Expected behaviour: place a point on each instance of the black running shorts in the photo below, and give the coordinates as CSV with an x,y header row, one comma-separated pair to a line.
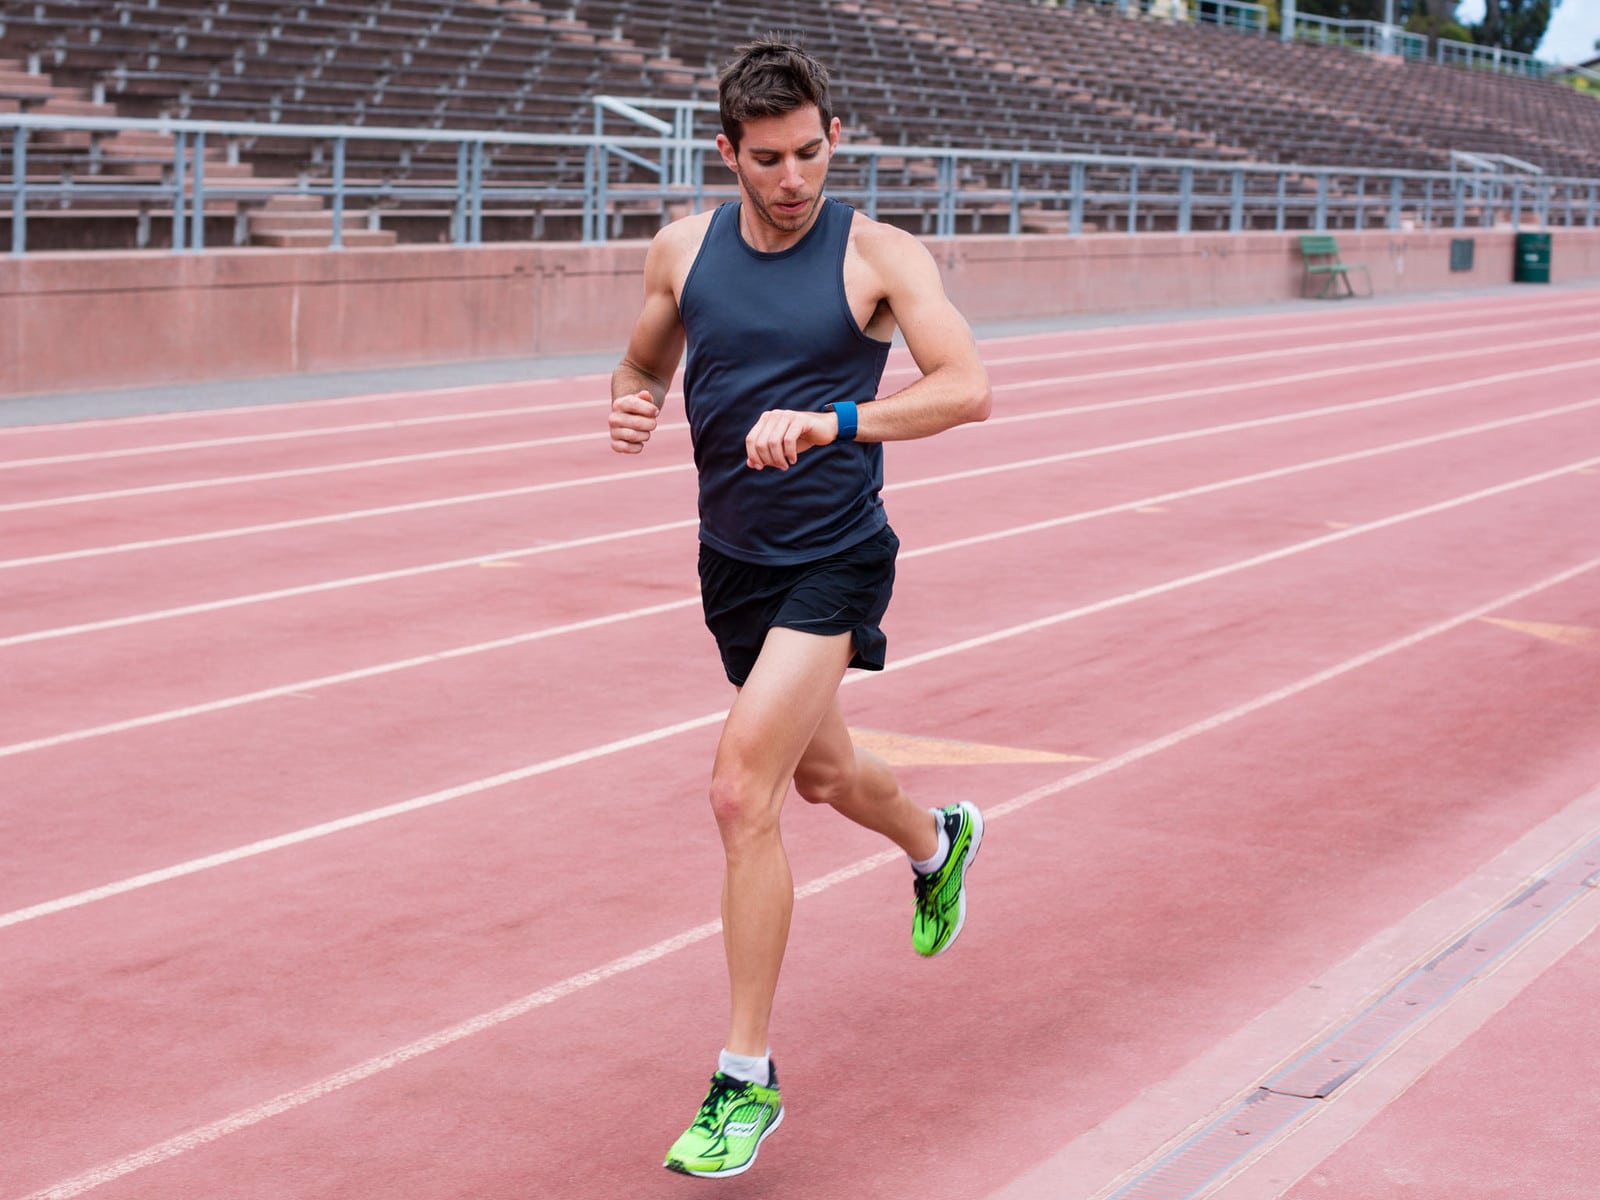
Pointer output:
x,y
847,592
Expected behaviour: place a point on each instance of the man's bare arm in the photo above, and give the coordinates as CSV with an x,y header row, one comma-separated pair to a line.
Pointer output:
x,y
954,387
639,383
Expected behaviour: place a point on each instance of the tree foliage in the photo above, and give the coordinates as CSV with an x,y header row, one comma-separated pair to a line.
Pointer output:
x,y
1514,24
1510,24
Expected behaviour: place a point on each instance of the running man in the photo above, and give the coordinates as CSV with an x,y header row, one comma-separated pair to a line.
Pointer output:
x,y
787,302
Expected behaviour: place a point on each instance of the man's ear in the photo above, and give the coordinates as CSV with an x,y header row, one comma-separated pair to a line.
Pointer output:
x,y
730,156
834,129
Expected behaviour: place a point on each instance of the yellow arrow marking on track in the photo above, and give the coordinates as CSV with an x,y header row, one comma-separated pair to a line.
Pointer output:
x,y
903,750
1566,635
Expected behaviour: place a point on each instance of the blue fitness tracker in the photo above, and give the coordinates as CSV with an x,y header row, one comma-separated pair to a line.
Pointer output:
x,y
846,412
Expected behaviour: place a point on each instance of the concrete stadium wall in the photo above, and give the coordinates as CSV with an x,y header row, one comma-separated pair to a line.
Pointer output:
x,y
91,321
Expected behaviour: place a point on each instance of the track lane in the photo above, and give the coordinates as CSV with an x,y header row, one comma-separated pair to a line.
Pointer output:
x,y
1111,831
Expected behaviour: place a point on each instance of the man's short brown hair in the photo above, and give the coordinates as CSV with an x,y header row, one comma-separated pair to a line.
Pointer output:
x,y
770,77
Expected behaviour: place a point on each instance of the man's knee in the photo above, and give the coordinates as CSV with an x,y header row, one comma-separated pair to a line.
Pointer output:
x,y
742,804
826,782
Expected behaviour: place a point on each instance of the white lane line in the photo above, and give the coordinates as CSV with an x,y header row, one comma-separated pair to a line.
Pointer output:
x,y
1265,326
326,681
1206,725
544,767
1301,351
594,404
95,424
286,435
287,1101
1587,337
362,514
598,437
303,686
634,472
310,589
1289,323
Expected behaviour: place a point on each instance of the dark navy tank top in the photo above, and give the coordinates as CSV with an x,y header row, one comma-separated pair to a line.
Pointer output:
x,y
772,331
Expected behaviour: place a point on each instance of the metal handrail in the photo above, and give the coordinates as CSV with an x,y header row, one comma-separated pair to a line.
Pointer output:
x,y
953,181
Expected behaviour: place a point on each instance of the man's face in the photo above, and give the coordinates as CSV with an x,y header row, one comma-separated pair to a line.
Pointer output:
x,y
781,164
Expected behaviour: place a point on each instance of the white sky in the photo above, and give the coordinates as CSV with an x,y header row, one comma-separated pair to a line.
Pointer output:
x,y
1570,37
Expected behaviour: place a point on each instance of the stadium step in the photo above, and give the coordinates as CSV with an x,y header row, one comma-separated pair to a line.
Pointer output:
x,y
301,222
312,239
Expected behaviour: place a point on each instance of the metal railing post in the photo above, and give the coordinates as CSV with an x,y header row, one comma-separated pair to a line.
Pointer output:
x,y
1185,199
602,215
475,199
179,171
1133,198
1283,198
685,149
337,241
19,194
458,214
1396,199
1361,201
590,155
1014,226
1516,203
1322,203
1236,212
197,208
946,223
1461,202
1080,182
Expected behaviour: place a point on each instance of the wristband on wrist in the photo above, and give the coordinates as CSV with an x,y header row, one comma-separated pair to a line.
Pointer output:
x,y
846,412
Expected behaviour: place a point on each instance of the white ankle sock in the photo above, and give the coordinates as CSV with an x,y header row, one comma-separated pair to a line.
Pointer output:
x,y
746,1067
929,865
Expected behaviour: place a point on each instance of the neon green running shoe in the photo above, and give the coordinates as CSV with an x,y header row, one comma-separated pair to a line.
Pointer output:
x,y
729,1128
942,895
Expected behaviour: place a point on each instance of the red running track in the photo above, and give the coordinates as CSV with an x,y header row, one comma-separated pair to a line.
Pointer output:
x,y
354,751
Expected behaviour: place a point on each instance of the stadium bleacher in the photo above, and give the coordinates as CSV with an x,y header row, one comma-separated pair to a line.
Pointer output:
x,y
996,74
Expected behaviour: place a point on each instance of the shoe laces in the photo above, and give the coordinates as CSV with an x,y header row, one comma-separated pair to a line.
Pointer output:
x,y
924,888
723,1091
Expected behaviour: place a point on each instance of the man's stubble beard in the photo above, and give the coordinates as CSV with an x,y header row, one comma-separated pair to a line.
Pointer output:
x,y
766,215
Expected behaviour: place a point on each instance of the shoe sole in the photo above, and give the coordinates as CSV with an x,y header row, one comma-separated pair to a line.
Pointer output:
x,y
966,862
729,1172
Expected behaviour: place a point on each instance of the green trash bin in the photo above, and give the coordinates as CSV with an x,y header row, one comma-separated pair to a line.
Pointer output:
x,y
1533,258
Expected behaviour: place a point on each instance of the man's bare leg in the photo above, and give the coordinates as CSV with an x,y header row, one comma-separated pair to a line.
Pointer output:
x,y
775,717
860,785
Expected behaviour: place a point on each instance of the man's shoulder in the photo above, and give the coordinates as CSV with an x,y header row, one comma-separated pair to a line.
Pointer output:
x,y
878,241
684,235
890,253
